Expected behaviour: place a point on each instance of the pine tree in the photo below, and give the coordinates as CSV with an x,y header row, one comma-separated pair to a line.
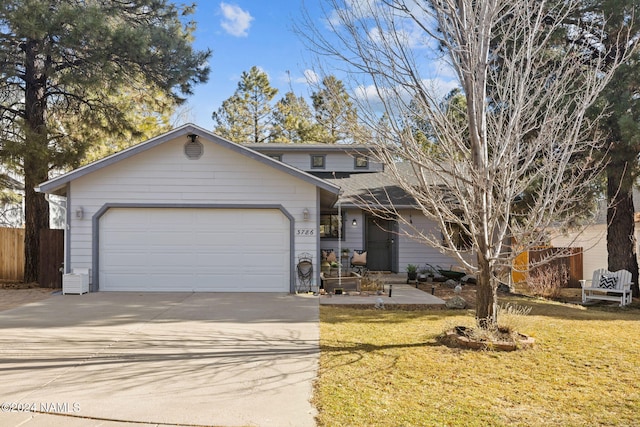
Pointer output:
x,y
336,114
69,58
244,117
292,121
622,170
621,123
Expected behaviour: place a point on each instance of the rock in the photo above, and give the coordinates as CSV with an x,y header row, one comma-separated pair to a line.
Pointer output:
x,y
468,279
451,283
456,302
504,288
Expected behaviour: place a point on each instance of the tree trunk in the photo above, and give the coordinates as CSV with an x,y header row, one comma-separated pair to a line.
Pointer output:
x,y
36,163
36,219
486,303
621,240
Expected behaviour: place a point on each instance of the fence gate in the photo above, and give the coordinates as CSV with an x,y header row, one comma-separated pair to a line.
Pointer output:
x,y
51,258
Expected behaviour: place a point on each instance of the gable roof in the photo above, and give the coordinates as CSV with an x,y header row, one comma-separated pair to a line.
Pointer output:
x,y
375,190
58,185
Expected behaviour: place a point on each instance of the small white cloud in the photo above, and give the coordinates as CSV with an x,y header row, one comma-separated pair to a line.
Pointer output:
x,y
310,77
235,21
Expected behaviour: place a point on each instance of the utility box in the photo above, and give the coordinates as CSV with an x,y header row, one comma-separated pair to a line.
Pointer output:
x,y
76,282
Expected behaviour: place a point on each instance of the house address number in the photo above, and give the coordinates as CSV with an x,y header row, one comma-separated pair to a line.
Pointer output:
x,y
305,232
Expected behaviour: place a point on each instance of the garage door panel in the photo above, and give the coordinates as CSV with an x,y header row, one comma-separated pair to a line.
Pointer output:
x,y
187,249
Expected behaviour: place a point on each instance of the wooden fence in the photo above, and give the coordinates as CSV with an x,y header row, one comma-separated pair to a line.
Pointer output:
x,y
12,254
51,256
570,258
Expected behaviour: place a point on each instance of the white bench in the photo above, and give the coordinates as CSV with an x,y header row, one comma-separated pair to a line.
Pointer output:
x,y
608,286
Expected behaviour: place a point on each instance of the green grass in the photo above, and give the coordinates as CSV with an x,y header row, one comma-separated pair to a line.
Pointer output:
x,y
387,368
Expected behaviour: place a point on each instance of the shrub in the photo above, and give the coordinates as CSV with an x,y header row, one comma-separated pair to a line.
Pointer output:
x,y
547,281
372,283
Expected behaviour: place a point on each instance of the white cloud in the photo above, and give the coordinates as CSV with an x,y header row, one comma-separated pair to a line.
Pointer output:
x,y
310,78
235,21
353,10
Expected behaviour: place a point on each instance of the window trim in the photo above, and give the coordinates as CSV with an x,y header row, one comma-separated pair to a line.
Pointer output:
x,y
312,157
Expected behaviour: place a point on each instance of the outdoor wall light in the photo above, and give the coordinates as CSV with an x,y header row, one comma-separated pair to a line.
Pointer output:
x,y
354,223
305,214
79,212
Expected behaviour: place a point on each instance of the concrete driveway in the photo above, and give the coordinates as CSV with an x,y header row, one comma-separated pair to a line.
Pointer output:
x,y
114,359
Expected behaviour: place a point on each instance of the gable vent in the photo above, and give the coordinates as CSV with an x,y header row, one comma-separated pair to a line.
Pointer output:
x,y
193,149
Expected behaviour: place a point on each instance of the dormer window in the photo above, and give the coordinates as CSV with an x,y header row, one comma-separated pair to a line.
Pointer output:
x,y
318,161
361,162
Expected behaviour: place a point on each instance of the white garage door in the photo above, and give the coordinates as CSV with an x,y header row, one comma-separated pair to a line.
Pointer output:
x,y
185,249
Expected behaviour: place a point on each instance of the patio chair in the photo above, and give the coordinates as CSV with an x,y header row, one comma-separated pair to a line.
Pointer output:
x,y
359,262
305,272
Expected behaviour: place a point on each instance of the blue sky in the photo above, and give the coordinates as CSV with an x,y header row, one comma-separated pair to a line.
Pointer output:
x,y
242,34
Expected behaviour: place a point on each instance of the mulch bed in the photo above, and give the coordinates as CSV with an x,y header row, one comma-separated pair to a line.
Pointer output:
x,y
567,295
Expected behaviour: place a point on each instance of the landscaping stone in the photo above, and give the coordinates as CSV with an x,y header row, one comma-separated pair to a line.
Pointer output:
x,y
468,279
456,302
450,283
504,288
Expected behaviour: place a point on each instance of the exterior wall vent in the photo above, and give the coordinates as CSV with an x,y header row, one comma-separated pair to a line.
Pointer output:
x,y
193,149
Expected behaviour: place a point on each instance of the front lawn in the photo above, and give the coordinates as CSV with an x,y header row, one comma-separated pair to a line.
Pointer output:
x,y
386,368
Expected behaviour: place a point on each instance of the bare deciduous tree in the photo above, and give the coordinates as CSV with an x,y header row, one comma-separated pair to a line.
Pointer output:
x,y
520,160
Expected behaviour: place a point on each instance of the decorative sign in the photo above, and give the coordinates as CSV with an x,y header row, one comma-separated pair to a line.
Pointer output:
x,y
305,232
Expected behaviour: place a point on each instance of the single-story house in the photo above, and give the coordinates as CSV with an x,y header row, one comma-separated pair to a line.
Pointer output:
x,y
190,211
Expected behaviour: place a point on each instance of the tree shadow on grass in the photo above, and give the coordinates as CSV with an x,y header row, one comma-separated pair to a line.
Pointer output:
x,y
572,311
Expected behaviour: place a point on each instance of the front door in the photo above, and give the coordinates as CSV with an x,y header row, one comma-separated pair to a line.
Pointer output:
x,y
380,243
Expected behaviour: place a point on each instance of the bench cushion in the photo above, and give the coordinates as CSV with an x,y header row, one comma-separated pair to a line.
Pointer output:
x,y
607,282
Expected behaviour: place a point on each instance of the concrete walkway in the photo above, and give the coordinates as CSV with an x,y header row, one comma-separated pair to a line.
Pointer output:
x,y
404,295
125,359
401,295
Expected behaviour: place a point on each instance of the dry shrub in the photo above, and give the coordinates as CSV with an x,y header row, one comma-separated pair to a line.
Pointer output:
x,y
371,283
512,317
511,321
547,281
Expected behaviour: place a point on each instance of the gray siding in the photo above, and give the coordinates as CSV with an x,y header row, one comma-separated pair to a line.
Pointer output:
x,y
334,162
414,252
